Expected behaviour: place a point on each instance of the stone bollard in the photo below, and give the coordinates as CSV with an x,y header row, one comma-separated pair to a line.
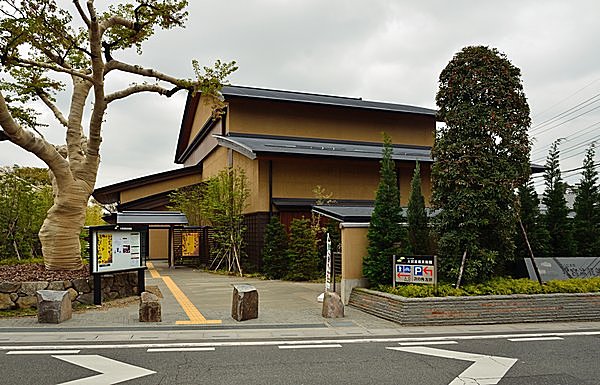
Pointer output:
x,y
245,302
149,308
54,306
333,307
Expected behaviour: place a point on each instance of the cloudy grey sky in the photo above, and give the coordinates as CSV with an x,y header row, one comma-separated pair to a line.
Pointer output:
x,y
382,50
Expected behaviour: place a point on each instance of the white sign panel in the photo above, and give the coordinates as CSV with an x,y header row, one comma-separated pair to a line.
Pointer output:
x,y
115,250
328,265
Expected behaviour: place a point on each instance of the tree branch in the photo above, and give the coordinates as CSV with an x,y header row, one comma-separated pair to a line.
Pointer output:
x,y
56,68
84,17
147,72
57,113
36,145
81,90
138,88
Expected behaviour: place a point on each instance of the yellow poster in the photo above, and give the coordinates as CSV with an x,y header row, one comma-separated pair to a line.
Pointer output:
x,y
190,244
104,248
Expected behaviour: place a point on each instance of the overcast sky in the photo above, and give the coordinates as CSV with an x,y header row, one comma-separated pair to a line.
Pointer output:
x,y
380,50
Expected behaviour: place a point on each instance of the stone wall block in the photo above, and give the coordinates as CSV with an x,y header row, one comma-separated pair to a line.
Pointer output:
x,y
26,302
72,294
6,302
9,287
244,305
57,285
82,285
54,306
30,288
86,299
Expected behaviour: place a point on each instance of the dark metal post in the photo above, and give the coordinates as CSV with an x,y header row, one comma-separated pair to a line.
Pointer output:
x,y
141,281
97,289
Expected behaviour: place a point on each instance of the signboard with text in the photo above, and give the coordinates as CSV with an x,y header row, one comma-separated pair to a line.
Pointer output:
x,y
418,269
116,250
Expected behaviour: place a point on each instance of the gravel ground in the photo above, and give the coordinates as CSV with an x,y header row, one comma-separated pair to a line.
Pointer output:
x,y
37,272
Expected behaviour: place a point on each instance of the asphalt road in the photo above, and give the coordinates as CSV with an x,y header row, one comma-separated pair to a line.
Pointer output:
x,y
550,359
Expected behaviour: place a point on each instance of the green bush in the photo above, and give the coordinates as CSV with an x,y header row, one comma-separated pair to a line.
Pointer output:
x,y
302,255
275,250
496,286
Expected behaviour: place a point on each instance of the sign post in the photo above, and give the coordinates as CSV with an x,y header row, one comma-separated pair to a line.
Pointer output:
x,y
114,249
417,269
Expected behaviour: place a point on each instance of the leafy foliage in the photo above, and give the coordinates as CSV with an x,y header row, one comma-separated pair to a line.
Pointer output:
x,y
386,235
587,211
25,196
559,228
187,200
498,286
482,155
275,250
303,258
418,226
529,212
223,205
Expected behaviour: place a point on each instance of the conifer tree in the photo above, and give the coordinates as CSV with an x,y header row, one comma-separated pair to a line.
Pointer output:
x,y
587,212
275,250
556,217
385,230
302,253
529,213
418,228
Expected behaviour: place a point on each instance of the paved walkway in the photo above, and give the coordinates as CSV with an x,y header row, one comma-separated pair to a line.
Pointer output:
x,y
197,304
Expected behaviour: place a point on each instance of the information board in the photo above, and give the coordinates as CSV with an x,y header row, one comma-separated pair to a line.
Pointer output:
x,y
116,250
421,269
190,244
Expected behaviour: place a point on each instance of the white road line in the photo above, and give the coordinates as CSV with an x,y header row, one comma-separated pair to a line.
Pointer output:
x,y
310,346
160,350
23,352
424,343
536,339
302,342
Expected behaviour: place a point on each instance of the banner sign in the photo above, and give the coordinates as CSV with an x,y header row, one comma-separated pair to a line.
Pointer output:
x,y
190,244
328,265
116,250
419,269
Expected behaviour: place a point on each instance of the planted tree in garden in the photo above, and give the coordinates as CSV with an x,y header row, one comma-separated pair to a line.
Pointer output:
x,y
386,235
223,203
481,156
529,213
302,256
41,45
418,226
25,197
187,200
275,250
586,223
556,216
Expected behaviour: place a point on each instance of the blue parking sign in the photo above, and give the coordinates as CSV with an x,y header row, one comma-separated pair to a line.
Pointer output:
x,y
418,270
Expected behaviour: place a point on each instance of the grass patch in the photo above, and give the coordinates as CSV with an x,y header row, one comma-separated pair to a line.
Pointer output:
x,y
22,261
497,286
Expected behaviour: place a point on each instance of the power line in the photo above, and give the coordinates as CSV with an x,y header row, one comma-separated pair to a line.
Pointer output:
x,y
570,111
566,98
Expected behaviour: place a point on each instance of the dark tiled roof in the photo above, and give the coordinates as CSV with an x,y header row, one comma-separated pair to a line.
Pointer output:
x,y
251,146
305,97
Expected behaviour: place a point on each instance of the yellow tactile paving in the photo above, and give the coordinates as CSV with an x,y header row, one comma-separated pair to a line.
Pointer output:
x,y
188,307
153,271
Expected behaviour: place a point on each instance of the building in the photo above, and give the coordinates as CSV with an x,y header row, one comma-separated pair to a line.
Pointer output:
x,y
288,143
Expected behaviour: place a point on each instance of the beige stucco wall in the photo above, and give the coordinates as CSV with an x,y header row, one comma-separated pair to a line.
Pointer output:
x,y
159,187
258,182
354,248
205,147
327,122
203,113
214,162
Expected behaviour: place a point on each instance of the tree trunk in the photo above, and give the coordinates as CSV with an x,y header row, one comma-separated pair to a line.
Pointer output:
x,y
59,234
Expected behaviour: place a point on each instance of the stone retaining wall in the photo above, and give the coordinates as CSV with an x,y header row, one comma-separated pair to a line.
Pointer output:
x,y
19,295
478,310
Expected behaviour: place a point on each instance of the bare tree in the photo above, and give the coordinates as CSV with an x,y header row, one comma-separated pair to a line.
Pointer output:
x,y
40,44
